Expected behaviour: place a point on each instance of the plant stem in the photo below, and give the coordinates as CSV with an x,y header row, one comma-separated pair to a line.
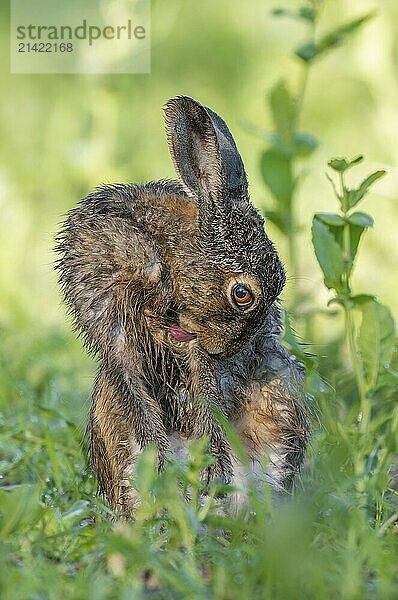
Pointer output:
x,y
365,408
357,366
293,246
302,89
294,227
293,255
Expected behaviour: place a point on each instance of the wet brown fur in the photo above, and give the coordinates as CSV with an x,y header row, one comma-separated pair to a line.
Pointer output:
x,y
133,260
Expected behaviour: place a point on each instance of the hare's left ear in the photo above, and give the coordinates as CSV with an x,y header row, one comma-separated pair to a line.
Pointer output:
x,y
204,152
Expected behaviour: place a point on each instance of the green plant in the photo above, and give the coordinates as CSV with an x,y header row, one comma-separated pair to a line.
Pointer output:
x,y
289,146
369,325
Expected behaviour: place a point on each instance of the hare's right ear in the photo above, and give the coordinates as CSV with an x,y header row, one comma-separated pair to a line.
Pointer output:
x,y
204,152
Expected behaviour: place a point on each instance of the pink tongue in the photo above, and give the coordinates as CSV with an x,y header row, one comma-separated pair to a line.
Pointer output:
x,y
180,334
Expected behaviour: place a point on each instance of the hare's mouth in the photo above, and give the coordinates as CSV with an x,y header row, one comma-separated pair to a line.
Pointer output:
x,y
180,334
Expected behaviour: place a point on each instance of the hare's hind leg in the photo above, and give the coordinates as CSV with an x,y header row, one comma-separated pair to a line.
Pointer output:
x,y
273,426
113,447
275,422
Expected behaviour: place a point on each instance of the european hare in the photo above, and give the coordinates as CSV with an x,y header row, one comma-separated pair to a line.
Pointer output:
x,y
174,287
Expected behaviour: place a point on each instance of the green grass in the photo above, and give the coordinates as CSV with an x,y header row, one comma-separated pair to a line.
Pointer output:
x,y
333,539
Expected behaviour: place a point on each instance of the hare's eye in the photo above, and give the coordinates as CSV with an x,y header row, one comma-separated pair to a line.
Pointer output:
x,y
242,296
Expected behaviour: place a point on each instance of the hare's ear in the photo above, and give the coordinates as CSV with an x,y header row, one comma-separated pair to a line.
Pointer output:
x,y
204,152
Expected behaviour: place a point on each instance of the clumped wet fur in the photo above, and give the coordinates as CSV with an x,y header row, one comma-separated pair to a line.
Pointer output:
x,y
149,273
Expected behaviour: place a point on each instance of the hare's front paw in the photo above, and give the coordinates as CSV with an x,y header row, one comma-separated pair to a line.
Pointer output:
x,y
127,502
221,469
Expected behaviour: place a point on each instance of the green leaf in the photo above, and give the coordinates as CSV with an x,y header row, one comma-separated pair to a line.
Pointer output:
x,y
307,52
304,144
388,378
339,164
335,224
360,218
337,36
308,13
354,196
76,512
276,171
280,12
331,219
279,218
312,50
355,161
360,299
272,138
283,110
356,232
19,508
376,339
328,253
342,164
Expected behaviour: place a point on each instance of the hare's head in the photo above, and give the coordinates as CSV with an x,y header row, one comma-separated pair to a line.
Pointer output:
x,y
229,275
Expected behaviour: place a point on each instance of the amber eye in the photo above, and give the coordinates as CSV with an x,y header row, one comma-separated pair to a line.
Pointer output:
x,y
242,296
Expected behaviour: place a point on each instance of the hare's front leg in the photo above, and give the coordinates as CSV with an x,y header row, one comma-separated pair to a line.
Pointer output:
x,y
202,421
121,424
113,447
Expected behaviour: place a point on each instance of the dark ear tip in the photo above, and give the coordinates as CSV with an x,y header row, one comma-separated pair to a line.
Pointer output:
x,y
183,106
181,102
